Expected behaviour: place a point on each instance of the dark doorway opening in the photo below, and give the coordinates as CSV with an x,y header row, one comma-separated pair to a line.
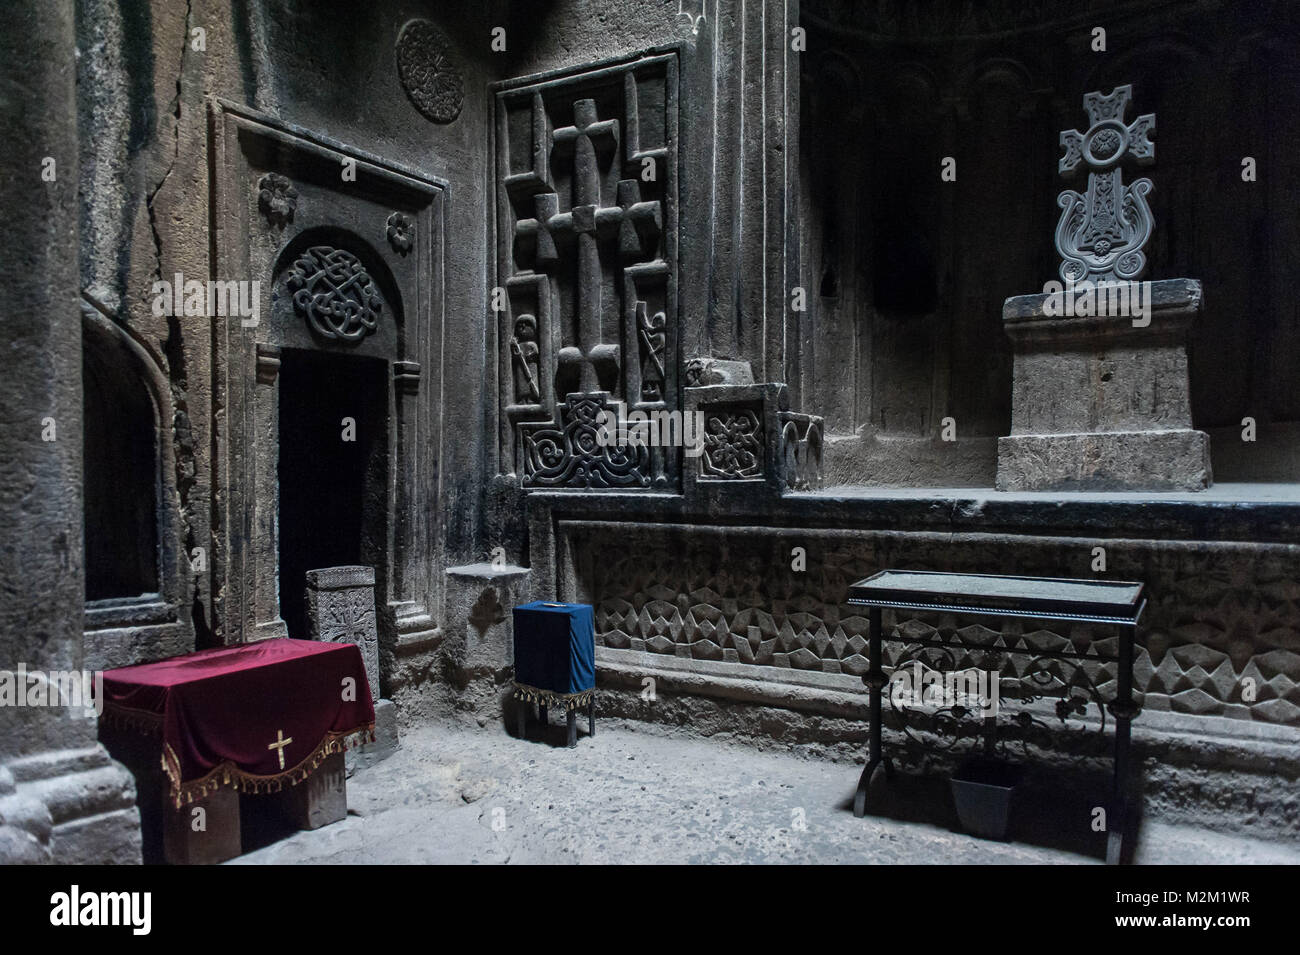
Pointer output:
x,y
333,469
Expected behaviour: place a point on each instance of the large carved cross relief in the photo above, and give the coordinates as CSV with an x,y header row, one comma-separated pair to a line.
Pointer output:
x,y
586,166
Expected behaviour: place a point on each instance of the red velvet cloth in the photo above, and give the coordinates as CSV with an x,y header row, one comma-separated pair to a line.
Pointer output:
x,y
219,711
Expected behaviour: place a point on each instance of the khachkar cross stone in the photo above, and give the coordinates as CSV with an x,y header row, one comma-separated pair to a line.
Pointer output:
x,y
1102,232
341,609
1099,391
636,224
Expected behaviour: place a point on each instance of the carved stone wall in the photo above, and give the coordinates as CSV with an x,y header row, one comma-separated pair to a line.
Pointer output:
x,y
586,176
1219,615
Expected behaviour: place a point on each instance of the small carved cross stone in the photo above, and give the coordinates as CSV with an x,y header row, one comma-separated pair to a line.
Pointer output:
x,y
1101,235
341,609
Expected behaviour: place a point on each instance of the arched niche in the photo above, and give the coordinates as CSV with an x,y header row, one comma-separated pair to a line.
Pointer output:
x,y
134,563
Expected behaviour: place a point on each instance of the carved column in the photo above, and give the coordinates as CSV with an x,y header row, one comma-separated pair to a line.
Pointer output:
x,y
61,798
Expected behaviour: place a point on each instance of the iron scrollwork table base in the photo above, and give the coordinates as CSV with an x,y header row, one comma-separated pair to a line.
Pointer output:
x,y
1119,603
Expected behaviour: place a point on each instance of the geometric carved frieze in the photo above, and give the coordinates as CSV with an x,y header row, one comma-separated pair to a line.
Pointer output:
x,y
335,294
1220,614
430,75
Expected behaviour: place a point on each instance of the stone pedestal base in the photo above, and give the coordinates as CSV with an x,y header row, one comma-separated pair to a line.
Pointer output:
x,y
1115,461
205,832
320,799
1100,398
72,806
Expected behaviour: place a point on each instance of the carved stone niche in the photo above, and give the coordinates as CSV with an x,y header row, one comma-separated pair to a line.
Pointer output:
x,y
350,280
750,437
586,180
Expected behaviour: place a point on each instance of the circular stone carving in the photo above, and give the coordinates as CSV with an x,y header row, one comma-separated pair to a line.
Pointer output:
x,y
432,79
335,293
1106,143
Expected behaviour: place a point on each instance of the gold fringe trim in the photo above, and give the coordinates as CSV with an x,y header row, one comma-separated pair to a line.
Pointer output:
x,y
228,774
124,717
570,701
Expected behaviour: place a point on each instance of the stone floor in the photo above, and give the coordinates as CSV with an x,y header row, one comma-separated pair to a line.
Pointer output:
x,y
639,794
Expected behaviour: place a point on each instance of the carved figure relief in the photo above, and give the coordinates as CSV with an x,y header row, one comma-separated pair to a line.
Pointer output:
x,y
335,294
652,334
524,356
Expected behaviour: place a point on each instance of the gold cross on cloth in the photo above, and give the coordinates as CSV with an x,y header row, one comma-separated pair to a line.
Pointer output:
x,y
279,745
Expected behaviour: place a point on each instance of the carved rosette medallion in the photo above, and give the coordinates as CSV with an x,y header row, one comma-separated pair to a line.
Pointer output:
x,y
571,455
277,198
335,294
431,77
401,232
733,444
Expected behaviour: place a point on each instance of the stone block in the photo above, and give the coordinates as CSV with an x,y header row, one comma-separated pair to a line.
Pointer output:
x,y
386,739
319,800
1126,460
1101,401
751,437
204,832
479,598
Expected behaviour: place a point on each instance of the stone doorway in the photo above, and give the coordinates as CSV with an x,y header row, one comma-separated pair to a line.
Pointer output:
x,y
333,469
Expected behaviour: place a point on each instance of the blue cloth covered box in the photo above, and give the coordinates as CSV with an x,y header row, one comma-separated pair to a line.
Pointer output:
x,y
555,653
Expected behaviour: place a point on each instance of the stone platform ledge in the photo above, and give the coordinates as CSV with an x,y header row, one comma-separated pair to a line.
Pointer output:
x,y
1173,460
831,694
1254,746
488,571
1173,304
